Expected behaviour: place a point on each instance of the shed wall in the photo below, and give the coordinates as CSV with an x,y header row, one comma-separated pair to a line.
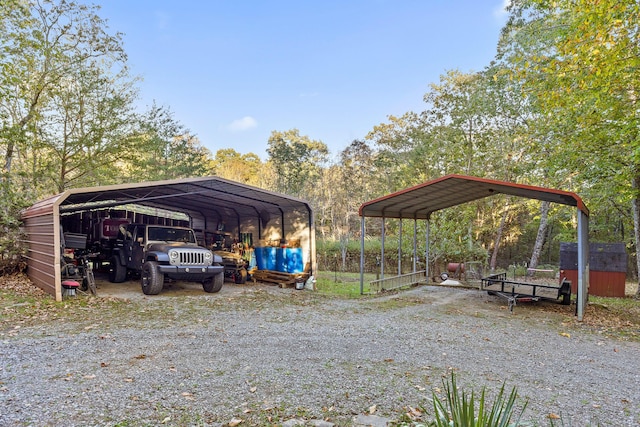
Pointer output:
x,y
607,268
42,253
601,283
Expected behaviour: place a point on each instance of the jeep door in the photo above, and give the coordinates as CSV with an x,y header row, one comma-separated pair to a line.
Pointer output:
x,y
137,248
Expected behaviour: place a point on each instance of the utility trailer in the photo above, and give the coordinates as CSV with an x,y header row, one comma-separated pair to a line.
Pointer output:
x,y
515,291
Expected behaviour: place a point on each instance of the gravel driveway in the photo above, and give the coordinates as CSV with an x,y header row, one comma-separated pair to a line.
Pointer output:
x,y
265,356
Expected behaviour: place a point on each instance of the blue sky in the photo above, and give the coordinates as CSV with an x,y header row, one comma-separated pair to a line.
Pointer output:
x,y
234,71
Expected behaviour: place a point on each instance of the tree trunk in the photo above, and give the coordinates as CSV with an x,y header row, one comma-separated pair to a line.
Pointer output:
x,y
636,225
540,238
496,242
344,245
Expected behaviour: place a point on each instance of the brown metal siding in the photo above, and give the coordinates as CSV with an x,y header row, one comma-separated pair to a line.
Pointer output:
x,y
601,283
42,268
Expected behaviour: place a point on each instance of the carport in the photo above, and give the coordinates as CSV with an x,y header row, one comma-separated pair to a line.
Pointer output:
x,y
420,201
208,205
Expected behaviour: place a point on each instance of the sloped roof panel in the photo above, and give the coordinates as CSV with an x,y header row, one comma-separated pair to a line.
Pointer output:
x,y
201,196
421,200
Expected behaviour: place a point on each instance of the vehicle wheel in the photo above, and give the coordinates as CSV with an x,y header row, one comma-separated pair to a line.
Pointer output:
x,y
152,280
566,299
117,271
84,285
214,284
90,281
241,276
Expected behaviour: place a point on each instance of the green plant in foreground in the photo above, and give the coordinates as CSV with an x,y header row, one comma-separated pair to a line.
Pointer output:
x,y
458,409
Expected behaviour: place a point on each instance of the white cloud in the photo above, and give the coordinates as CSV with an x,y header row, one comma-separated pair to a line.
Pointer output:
x,y
242,124
500,12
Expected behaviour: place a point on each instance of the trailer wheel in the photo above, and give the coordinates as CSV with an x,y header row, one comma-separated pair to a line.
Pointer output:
x,y
241,276
152,280
213,285
565,291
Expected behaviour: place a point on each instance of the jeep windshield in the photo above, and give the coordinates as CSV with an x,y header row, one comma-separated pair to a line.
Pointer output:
x,y
164,234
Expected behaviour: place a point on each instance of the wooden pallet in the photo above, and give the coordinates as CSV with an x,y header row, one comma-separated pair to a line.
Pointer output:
x,y
284,280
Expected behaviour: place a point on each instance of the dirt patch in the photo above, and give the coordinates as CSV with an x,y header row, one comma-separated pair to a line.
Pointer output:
x,y
131,289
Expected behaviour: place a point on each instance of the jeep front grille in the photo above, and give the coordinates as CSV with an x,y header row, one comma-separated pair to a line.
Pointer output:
x,y
189,258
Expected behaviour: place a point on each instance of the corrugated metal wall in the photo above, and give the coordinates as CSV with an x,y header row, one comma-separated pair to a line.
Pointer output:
x,y
42,230
601,283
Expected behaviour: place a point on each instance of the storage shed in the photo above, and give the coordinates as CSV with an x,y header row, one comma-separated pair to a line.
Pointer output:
x,y
607,267
209,205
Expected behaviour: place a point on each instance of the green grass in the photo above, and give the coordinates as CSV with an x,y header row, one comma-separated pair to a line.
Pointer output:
x,y
627,305
615,317
342,283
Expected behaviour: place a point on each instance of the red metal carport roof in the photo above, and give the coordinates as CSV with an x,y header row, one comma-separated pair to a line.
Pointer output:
x,y
420,201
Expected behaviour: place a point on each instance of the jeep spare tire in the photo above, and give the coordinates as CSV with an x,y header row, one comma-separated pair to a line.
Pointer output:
x,y
152,280
214,284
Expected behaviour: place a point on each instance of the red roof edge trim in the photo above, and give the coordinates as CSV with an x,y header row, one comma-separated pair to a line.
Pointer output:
x,y
505,184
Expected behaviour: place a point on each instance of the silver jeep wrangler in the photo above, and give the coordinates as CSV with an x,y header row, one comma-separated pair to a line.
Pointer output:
x,y
155,252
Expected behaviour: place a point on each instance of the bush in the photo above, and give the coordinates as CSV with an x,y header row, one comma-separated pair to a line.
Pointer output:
x,y
12,247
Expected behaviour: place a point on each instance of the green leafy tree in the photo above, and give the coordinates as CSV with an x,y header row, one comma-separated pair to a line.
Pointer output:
x,y
342,188
83,129
44,44
473,124
578,62
296,160
161,148
245,168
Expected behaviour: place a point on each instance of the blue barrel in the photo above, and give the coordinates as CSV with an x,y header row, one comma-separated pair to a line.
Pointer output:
x,y
270,257
281,260
261,259
294,260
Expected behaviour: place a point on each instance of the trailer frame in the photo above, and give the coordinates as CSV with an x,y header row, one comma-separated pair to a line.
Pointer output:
x,y
516,294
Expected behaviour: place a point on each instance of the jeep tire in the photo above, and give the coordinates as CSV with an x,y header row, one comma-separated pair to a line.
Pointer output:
x,y
117,271
214,284
152,280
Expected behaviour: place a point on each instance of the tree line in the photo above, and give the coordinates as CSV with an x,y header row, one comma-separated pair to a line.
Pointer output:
x,y
557,107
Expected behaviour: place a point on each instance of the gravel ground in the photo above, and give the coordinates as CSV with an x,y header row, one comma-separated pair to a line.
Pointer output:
x,y
264,355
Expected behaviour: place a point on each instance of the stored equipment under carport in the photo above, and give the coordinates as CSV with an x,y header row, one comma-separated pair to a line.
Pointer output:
x,y
235,267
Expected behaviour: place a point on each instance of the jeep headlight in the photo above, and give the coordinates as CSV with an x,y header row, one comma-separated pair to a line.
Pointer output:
x,y
208,255
173,255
